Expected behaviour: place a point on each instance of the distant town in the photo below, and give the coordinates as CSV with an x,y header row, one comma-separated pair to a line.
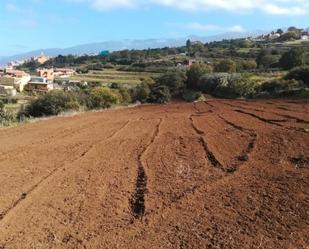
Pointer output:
x,y
13,81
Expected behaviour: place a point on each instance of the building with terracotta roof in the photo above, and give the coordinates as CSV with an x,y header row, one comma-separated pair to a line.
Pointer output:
x,y
46,73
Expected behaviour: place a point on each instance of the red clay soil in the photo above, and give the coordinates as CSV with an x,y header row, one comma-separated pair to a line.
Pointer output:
x,y
214,174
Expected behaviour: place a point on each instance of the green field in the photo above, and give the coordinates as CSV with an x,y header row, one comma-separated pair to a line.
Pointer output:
x,y
107,76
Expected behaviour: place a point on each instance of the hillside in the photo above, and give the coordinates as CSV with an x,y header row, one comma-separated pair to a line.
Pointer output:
x,y
95,48
214,174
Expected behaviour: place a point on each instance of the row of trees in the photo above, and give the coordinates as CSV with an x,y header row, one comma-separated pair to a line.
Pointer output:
x,y
188,85
288,60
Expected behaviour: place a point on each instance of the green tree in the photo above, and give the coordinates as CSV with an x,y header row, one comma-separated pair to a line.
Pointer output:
x,y
293,58
188,44
225,66
195,72
265,59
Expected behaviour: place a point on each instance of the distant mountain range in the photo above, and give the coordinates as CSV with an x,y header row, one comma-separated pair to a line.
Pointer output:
x,y
126,44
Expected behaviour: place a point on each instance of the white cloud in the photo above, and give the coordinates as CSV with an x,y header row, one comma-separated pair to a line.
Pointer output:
x,y
212,27
236,28
202,27
107,4
25,17
274,7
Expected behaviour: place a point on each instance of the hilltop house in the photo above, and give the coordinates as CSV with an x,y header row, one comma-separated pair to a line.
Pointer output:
x,y
40,84
41,59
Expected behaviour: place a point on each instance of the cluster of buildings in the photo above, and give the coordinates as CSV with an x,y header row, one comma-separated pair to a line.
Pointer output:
x,y
41,59
13,81
301,34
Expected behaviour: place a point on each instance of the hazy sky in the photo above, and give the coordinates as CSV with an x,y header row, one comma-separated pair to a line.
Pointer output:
x,y
33,24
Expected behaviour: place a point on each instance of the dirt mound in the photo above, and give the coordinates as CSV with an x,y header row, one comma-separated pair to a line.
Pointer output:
x,y
214,174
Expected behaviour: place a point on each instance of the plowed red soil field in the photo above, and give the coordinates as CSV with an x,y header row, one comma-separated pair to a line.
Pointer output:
x,y
214,174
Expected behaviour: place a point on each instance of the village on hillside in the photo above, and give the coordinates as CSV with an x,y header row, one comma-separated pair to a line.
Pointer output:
x,y
13,81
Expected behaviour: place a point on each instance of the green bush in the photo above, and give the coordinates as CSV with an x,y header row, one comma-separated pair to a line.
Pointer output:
x,y
293,58
72,105
195,72
101,97
299,73
141,92
225,66
227,85
266,59
52,103
6,117
280,85
174,81
124,96
209,82
191,96
159,94
247,65
1,105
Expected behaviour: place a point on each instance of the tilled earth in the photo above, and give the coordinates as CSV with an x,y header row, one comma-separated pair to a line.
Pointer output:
x,y
214,174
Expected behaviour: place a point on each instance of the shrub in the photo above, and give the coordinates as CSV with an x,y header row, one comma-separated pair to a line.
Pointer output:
x,y
52,103
190,95
82,70
159,94
293,58
299,73
279,85
209,82
174,81
109,66
124,96
141,92
248,65
225,66
195,72
227,85
266,59
230,87
72,105
101,97
1,105
6,117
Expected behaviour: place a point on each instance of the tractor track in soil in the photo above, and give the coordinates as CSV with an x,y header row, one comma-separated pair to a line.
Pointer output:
x,y
213,174
53,172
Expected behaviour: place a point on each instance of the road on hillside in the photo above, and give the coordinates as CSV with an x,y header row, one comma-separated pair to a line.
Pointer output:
x,y
213,174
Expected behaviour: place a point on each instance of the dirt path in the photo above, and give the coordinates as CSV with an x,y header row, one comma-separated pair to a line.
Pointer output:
x,y
214,174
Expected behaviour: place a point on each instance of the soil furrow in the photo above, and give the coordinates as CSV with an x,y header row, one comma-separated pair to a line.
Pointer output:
x,y
53,172
209,154
268,121
137,202
244,156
